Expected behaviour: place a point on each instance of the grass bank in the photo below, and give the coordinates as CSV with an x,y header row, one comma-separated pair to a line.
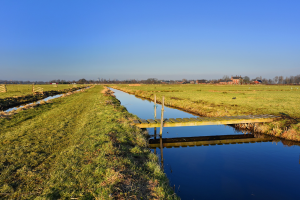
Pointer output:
x,y
9,99
81,146
14,90
219,100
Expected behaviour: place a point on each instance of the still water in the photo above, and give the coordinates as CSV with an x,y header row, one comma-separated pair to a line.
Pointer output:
x,y
39,101
45,99
265,170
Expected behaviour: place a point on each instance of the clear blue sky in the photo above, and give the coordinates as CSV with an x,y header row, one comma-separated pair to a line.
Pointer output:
x,y
139,39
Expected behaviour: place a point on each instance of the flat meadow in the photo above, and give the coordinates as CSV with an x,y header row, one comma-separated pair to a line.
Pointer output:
x,y
17,95
229,100
25,89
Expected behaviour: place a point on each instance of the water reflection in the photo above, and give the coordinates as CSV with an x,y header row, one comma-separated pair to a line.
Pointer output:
x,y
162,143
39,101
45,99
207,140
161,152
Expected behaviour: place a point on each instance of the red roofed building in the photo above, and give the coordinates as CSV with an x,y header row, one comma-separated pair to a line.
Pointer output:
x,y
236,79
257,82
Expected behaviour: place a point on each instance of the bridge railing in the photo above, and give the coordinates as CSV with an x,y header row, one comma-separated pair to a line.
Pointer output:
x,y
36,89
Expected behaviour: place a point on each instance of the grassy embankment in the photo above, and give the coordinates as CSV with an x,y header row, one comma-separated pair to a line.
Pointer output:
x,y
23,89
81,146
218,100
21,94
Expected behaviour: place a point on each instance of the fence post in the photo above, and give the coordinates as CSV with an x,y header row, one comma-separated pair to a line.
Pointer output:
x,y
162,115
3,88
32,88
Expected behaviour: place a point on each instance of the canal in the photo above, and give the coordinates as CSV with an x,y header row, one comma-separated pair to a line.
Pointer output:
x,y
264,170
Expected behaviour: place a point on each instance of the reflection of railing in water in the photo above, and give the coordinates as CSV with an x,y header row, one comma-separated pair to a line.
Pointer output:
x,y
206,140
160,145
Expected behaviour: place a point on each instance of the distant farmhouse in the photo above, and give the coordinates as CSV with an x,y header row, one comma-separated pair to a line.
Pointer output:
x,y
235,80
202,81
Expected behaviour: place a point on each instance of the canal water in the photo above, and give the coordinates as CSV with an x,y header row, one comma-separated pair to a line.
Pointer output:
x,y
266,170
45,99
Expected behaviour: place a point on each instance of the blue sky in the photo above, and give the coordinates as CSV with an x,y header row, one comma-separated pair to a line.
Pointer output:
x,y
134,39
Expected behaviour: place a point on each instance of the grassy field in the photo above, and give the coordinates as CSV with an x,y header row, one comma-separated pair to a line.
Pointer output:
x,y
22,94
228,100
80,146
22,89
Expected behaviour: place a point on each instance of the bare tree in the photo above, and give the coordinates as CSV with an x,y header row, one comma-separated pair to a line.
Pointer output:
x,y
246,79
280,79
226,77
292,79
270,81
276,79
287,80
264,81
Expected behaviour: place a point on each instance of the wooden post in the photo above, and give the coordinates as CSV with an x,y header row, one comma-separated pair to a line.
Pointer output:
x,y
32,88
5,89
161,153
154,106
162,115
154,114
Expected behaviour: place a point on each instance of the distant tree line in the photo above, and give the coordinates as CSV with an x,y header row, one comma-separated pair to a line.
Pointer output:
x,y
85,81
245,80
280,80
275,80
21,82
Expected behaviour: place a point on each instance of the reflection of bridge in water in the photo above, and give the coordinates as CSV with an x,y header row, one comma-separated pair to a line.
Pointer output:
x,y
208,140
205,141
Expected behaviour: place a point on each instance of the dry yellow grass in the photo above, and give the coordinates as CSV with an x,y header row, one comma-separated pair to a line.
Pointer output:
x,y
134,85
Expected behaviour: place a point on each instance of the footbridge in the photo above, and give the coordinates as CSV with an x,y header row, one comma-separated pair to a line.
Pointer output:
x,y
201,121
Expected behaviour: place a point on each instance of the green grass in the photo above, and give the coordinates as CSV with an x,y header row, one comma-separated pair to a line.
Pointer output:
x,y
9,99
80,146
218,100
14,90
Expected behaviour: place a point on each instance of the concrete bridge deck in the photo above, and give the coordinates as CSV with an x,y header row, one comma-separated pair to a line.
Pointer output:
x,y
201,121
